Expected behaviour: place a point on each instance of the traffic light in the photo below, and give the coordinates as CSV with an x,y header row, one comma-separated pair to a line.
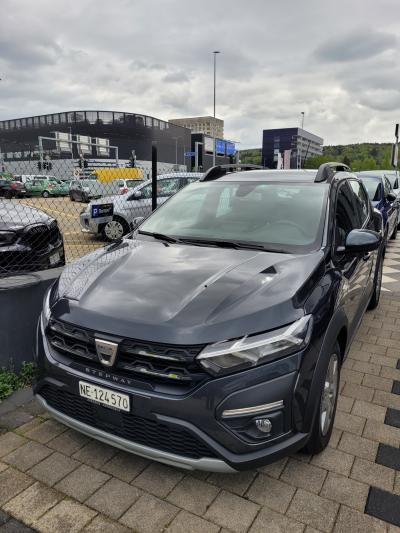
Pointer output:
x,y
85,163
80,163
39,165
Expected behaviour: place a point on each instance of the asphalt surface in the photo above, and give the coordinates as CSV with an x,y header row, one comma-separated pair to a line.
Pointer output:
x,y
67,214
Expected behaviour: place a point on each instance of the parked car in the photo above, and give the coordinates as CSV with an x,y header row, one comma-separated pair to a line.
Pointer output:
x,y
46,187
127,185
23,178
384,199
113,217
12,189
89,189
29,239
213,336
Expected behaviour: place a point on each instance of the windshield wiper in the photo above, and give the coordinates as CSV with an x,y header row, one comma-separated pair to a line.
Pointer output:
x,y
232,244
159,236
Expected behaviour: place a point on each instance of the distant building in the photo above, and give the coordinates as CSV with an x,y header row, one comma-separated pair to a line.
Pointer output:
x,y
202,150
289,146
207,125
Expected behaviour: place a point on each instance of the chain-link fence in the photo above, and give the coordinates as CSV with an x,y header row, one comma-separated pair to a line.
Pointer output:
x,y
52,212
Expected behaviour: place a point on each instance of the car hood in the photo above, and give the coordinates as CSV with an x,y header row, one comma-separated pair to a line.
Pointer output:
x,y
14,215
180,294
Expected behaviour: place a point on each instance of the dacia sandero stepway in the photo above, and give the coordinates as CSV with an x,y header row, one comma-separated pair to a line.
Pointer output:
x,y
212,336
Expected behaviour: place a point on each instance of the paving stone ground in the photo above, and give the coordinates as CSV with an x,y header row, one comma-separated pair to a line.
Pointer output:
x,y
53,479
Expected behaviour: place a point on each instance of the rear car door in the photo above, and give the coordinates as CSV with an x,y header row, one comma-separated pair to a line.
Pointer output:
x,y
365,220
35,186
355,271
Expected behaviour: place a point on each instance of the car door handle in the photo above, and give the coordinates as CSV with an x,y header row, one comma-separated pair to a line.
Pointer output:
x,y
367,256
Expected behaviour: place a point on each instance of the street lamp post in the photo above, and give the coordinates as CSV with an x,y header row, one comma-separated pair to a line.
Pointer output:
x,y
215,80
176,149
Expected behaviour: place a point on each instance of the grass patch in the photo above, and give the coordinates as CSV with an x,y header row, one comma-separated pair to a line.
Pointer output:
x,y
10,381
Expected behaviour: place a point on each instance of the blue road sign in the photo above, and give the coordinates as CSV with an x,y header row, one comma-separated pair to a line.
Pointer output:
x,y
190,154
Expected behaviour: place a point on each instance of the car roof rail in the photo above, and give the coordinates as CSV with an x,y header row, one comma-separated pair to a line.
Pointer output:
x,y
220,170
326,171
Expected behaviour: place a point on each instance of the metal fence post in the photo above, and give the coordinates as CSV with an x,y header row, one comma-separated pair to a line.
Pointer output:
x,y
153,176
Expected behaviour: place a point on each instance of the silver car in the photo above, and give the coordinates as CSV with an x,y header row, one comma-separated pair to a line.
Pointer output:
x,y
114,216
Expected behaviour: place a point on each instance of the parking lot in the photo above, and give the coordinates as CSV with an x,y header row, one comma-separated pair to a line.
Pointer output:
x,y
55,479
67,214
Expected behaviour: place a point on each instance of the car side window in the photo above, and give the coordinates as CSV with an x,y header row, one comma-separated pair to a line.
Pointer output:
x,y
146,191
167,187
360,202
345,218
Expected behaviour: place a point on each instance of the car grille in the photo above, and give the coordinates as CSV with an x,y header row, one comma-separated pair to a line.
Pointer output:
x,y
139,359
140,430
39,237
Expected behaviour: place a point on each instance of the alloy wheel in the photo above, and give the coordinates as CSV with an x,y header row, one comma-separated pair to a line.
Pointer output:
x,y
329,394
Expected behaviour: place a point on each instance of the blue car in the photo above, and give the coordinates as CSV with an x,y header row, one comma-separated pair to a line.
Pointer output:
x,y
384,199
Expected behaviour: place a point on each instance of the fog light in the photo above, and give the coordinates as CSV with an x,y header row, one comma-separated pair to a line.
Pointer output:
x,y
264,425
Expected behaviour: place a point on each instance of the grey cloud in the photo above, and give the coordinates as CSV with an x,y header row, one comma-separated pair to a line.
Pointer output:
x,y
155,58
176,77
361,44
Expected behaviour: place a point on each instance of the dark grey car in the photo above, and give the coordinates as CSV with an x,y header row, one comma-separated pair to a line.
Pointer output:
x,y
29,239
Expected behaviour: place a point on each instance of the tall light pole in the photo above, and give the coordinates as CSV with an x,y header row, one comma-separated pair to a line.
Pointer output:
x,y
215,80
176,149
302,120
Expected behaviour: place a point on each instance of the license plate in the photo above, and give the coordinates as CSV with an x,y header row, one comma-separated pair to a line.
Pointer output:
x,y
104,396
54,258
102,210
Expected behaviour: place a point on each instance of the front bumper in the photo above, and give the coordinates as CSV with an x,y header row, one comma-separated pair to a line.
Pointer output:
x,y
88,225
196,415
20,258
205,463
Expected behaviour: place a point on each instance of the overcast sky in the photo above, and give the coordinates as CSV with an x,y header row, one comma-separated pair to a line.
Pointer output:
x,y
336,61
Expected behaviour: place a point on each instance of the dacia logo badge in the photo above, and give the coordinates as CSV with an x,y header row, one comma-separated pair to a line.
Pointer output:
x,y
106,351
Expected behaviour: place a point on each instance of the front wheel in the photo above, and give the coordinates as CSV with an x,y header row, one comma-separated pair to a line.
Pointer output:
x,y
45,194
323,423
115,229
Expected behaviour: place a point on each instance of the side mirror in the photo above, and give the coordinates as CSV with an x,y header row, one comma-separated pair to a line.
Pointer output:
x,y
137,221
391,197
137,195
360,241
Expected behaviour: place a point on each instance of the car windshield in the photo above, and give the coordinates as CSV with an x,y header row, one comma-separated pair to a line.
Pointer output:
x,y
279,216
372,186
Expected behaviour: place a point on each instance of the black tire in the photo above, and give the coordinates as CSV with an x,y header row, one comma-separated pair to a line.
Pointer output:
x,y
327,403
396,227
71,198
8,195
116,229
45,194
376,294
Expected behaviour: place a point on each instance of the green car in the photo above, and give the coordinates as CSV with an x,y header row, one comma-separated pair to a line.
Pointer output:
x,y
46,187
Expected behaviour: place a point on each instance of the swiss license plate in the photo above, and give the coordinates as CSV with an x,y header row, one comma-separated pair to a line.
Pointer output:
x,y
104,396
102,210
54,258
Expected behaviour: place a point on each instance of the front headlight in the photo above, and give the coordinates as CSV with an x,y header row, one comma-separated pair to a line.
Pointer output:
x,y
230,356
7,237
46,307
